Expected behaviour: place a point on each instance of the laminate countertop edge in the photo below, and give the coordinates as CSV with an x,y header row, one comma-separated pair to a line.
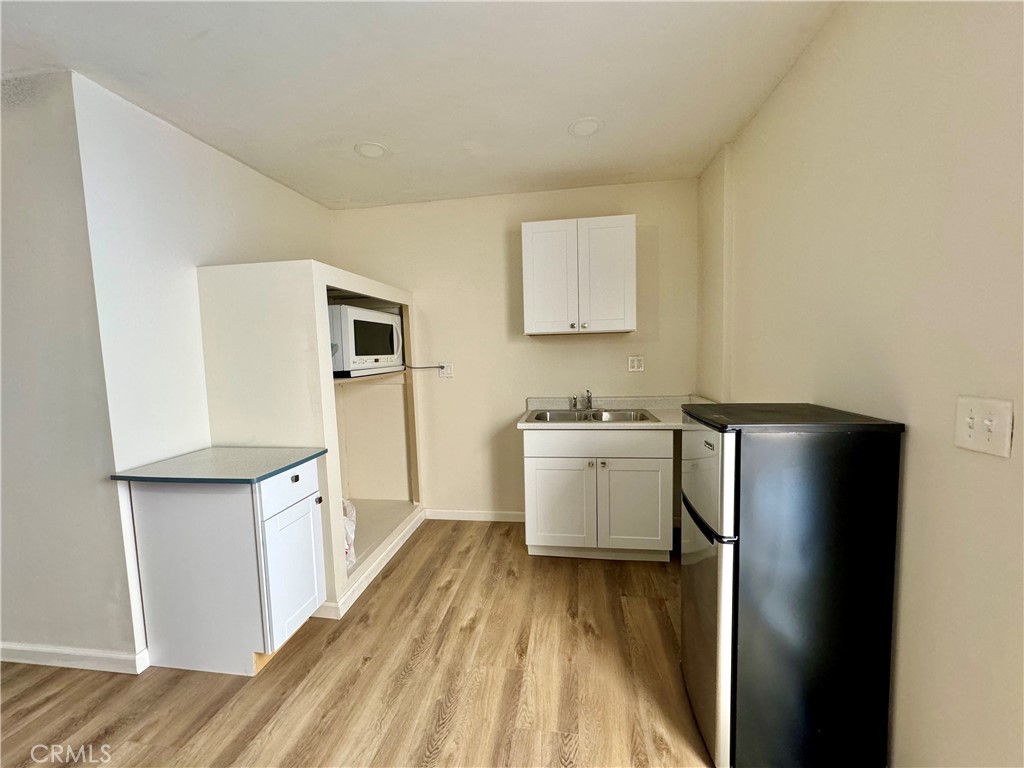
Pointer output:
x,y
239,465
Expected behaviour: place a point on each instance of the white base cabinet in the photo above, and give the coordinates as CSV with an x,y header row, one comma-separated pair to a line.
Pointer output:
x,y
609,494
228,570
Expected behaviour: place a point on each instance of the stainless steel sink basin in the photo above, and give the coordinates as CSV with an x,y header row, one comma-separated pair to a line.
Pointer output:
x,y
603,415
638,414
561,416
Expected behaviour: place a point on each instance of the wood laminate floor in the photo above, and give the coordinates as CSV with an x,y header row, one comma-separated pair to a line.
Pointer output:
x,y
464,652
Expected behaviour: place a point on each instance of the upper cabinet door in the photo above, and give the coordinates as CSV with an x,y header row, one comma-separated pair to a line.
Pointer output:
x,y
550,277
607,274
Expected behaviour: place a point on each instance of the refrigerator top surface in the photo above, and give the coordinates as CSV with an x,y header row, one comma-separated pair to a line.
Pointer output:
x,y
785,417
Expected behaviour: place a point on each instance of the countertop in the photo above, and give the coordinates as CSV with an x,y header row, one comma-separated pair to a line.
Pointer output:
x,y
222,464
667,409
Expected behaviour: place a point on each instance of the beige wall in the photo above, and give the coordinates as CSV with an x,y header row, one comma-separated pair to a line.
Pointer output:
x,y
715,225
878,268
462,259
65,581
372,437
107,210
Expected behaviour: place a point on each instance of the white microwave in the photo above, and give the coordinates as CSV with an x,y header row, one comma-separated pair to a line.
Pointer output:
x,y
364,341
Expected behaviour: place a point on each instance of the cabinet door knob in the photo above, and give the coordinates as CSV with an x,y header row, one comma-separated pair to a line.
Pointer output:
x,y
604,463
572,325
584,325
295,478
590,463
319,499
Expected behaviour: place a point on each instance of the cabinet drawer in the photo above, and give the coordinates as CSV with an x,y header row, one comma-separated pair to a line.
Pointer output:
x,y
587,443
283,490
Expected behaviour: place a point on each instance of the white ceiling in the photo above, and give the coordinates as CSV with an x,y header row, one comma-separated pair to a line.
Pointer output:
x,y
471,98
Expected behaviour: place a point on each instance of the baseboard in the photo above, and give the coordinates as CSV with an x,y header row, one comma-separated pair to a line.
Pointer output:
x,y
478,516
76,658
328,610
654,555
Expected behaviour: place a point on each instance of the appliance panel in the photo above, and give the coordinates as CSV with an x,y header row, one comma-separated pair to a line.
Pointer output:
x,y
709,482
707,586
817,535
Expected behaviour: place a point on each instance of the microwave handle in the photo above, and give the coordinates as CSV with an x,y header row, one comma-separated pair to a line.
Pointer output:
x,y
398,337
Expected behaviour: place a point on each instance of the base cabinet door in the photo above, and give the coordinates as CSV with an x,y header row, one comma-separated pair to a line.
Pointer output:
x,y
634,503
561,502
295,582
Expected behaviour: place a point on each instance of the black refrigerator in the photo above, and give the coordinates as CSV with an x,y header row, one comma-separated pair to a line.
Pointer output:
x,y
788,561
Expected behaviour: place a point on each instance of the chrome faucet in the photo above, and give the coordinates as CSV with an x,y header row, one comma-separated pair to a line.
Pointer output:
x,y
575,404
590,401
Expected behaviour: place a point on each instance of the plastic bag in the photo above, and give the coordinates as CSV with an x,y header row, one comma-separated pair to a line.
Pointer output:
x,y
349,529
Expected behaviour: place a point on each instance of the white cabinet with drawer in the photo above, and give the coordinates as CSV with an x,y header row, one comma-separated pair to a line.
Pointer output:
x,y
594,493
231,554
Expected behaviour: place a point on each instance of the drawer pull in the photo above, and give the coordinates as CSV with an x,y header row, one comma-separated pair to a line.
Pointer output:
x,y
604,463
319,499
295,478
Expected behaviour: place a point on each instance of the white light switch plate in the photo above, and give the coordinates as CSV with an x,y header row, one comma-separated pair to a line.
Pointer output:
x,y
635,363
984,425
446,371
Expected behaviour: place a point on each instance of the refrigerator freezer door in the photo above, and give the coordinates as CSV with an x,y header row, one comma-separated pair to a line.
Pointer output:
x,y
710,484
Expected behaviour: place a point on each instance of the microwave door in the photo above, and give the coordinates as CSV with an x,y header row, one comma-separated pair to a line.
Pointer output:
x,y
374,339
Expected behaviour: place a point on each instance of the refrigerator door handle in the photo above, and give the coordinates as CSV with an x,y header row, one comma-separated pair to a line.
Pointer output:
x,y
706,530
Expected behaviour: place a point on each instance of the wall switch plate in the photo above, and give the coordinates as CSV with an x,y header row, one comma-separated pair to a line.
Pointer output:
x,y
635,363
446,371
984,425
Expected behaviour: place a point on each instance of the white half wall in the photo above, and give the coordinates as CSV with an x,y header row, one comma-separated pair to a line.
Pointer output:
x,y
65,577
877,215
463,261
159,204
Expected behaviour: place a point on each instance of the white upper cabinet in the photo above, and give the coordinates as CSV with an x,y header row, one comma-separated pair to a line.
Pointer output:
x,y
579,275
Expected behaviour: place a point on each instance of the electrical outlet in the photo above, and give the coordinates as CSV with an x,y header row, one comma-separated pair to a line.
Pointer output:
x,y
446,371
635,363
984,425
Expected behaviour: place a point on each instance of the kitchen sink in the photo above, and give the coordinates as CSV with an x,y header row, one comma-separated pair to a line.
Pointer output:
x,y
638,414
602,415
561,416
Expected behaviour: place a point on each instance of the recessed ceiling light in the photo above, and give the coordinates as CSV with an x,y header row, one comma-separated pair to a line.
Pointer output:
x,y
370,149
585,126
